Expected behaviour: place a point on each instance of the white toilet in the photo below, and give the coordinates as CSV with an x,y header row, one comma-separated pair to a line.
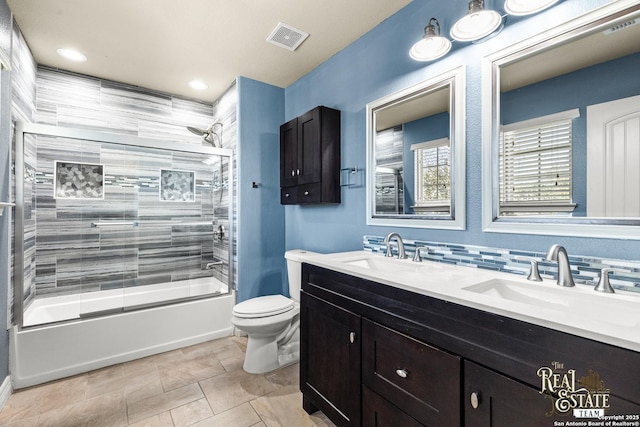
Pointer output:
x,y
273,322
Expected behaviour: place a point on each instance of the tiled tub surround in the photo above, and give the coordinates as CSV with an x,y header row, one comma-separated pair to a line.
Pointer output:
x,y
584,270
132,237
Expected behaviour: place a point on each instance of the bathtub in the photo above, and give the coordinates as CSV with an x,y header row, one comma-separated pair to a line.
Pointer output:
x,y
89,340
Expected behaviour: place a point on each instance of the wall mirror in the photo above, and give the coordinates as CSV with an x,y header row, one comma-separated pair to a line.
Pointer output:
x,y
416,155
561,129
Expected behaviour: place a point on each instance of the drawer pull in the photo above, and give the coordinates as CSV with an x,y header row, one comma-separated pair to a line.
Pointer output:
x,y
475,400
287,195
306,193
402,373
352,337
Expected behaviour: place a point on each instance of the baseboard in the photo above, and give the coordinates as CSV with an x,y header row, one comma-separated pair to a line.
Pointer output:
x,y
5,392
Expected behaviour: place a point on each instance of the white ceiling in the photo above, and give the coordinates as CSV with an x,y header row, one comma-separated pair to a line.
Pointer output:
x,y
163,44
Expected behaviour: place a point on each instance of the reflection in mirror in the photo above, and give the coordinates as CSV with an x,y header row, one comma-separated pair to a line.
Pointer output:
x,y
415,152
564,137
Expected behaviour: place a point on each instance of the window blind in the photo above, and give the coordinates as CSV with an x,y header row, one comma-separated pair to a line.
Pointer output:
x,y
535,166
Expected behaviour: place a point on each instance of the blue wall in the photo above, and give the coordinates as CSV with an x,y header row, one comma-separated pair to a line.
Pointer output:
x,y
5,152
261,265
377,64
575,90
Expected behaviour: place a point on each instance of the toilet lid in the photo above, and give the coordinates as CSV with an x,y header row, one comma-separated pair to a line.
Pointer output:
x,y
269,305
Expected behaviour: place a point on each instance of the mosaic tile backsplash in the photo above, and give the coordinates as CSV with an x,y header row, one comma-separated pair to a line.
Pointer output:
x,y
585,270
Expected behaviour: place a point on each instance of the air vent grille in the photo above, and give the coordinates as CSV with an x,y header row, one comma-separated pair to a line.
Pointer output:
x,y
286,36
621,26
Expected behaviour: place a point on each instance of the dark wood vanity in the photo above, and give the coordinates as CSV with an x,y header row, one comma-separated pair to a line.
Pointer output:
x,y
377,355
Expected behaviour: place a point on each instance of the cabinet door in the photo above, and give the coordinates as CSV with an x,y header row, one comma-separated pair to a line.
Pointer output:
x,y
309,147
377,412
421,380
491,399
289,169
330,360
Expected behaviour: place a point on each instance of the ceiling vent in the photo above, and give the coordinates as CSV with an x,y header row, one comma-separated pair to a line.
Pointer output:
x,y
286,36
621,26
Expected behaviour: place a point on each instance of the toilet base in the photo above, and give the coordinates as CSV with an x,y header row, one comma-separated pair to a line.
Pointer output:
x,y
265,355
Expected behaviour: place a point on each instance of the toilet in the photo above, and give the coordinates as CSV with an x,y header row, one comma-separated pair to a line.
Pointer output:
x,y
272,322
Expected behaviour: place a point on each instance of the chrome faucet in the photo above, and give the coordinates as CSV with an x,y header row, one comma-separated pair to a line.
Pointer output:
x,y
387,241
558,254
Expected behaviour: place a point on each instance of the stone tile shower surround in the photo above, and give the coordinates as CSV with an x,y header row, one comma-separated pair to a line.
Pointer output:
x,y
73,255
585,270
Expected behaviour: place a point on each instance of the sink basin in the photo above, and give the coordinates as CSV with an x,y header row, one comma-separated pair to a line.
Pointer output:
x,y
381,264
579,301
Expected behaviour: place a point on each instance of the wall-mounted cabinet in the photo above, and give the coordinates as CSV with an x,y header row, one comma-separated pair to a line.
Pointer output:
x,y
310,158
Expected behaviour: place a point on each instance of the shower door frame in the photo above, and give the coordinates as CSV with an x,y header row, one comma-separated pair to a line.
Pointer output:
x,y
22,128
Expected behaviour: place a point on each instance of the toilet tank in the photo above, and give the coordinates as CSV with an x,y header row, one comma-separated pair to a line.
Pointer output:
x,y
295,258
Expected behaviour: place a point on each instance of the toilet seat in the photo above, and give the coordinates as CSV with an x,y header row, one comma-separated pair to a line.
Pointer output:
x,y
265,306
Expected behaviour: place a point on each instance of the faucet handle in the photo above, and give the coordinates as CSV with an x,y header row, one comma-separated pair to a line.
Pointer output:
x,y
603,284
416,255
534,272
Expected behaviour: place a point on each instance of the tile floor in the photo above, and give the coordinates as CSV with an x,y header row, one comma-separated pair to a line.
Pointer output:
x,y
201,385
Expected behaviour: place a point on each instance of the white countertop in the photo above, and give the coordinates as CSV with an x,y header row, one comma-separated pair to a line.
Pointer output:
x,y
579,310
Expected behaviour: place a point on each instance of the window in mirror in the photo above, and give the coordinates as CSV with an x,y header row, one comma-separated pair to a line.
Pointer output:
x,y
432,181
536,165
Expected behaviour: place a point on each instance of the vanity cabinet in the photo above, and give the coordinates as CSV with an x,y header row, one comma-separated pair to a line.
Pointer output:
x,y
310,158
378,355
330,361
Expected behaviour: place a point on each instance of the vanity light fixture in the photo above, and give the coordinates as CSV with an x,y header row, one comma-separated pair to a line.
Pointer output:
x,y
432,45
477,23
71,54
526,7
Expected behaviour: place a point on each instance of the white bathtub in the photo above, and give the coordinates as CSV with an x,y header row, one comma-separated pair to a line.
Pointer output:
x,y
50,352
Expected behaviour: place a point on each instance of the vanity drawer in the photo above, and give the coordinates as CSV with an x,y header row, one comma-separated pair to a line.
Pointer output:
x,y
423,381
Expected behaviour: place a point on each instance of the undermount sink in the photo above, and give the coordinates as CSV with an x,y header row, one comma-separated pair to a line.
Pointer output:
x,y
381,264
613,309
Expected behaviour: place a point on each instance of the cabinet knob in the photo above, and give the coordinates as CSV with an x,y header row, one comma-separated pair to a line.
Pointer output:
x,y
293,173
306,193
297,171
352,337
402,373
287,195
475,400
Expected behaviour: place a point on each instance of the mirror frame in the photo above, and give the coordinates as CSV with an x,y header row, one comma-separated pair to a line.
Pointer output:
x,y
455,79
576,227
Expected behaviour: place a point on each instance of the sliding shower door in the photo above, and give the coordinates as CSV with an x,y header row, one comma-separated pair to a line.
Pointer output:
x,y
112,223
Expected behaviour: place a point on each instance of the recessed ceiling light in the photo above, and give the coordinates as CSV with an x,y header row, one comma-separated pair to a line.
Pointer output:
x,y
198,85
72,54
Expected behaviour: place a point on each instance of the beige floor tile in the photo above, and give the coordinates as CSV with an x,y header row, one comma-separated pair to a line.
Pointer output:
x,y
233,388
240,416
114,380
283,408
191,413
196,367
108,410
289,375
31,402
155,405
161,420
30,422
143,391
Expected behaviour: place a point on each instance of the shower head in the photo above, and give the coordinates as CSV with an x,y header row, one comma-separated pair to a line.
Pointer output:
x,y
208,135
